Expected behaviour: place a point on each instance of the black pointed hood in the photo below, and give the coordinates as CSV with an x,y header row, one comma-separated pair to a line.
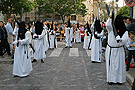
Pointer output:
x,y
38,28
69,24
98,26
88,28
78,25
22,30
119,25
48,26
52,26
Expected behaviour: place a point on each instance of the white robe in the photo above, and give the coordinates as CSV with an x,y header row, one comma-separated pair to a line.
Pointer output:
x,y
116,71
69,37
15,32
45,42
86,40
96,46
77,36
53,40
22,65
38,46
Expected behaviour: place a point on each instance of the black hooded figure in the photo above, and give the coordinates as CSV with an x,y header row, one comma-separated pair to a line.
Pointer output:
x,y
115,54
69,24
77,27
97,28
22,31
69,33
38,28
88,29
52,29
89,33
38,42
119,25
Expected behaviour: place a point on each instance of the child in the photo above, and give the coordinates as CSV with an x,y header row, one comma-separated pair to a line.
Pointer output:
x,y
131,48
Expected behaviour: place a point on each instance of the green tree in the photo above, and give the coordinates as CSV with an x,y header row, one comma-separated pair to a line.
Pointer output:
x,y
61,7
68,7
43,7
124,11
14,6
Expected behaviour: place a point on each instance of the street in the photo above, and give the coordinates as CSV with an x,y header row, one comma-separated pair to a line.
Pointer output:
x,y
63,69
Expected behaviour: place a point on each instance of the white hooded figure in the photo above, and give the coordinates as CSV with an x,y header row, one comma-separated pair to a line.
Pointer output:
x,y
69,35
38,42
77,38
96,44
45,41
52,38
87,38
22,57
115,54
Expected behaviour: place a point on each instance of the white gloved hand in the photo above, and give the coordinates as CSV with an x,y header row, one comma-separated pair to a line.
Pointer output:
x,y
118,38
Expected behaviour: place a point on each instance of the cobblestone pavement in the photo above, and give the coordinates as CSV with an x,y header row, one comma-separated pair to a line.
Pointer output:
x,y
62,71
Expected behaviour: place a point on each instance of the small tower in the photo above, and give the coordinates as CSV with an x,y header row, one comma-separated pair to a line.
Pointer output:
x,y
1,17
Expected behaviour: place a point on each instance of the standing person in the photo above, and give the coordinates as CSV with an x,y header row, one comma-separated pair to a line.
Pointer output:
x,y
87,37
22,58
115,54
130,26
5,42
77,35
9,32
45,41
52,38
96,45
69,35
124,20
38,42
1,40
131,48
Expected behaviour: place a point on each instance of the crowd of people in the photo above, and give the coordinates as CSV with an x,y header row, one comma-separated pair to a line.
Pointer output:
x,y
114,38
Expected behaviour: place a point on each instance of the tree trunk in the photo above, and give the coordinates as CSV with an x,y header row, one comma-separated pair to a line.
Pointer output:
x,y
63,18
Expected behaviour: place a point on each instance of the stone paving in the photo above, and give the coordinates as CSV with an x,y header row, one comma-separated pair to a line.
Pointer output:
x,y
65,72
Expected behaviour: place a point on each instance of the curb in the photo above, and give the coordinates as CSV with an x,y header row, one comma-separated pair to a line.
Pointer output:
x,y
6,61
129,78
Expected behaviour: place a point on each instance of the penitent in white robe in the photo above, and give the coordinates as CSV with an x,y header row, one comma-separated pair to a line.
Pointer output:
x,y
77,36
22,57
69,36
45,41
96,46
53,40
86,40
116,71
39,47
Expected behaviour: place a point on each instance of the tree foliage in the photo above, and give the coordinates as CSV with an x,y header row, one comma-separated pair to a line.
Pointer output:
x,y
61,7
14,6
124,11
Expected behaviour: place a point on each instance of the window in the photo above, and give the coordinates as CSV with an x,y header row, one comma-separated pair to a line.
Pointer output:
x,y
57,17
73,17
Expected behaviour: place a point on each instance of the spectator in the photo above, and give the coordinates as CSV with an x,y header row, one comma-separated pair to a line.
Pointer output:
x,y
130,26
5,40
1,40
124,20
131,48
81,28
103,24
9,32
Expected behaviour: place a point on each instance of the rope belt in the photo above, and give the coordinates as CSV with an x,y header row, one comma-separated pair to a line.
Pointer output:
x,y
114,47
